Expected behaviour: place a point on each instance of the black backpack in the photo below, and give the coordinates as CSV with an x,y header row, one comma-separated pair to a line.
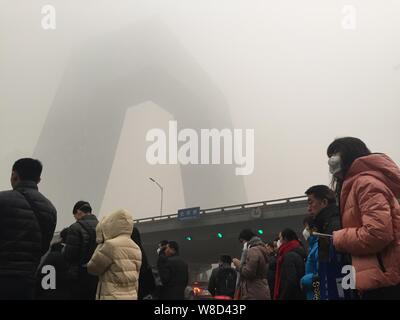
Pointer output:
x,y
226,282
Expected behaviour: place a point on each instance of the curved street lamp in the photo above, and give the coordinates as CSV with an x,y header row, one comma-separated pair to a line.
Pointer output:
x,y
162,191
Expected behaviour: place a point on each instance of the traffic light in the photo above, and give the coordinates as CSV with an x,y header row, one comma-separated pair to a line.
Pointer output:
x,y
219,235
260,232
189,238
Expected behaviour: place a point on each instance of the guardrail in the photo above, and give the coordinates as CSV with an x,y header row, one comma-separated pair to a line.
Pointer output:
x,y
229,208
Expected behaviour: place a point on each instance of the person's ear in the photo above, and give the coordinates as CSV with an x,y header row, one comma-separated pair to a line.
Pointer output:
x,y
14,175
14,179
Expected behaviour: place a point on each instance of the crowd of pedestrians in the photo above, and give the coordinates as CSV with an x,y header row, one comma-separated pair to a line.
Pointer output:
x,y
354,222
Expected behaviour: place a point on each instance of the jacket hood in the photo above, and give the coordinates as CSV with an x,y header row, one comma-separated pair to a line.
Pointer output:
x,y
116,224
381,167
255,241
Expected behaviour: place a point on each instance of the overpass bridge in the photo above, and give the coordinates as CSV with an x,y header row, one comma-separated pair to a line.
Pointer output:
x,y
215,231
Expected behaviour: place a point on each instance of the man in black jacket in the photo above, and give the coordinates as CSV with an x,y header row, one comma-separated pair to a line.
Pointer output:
x,y
326,213
27,223
322,207
79,248
223,278
174,273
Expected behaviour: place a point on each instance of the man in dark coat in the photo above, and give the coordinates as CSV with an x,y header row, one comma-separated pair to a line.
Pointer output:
x,y
174,273
326,213
162,245
322,207
27,223
79,248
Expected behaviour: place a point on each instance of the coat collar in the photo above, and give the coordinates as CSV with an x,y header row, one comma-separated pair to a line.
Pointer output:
x,y
325,214
26,184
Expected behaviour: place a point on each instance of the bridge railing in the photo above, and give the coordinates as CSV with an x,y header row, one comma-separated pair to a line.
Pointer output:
x,y
230,208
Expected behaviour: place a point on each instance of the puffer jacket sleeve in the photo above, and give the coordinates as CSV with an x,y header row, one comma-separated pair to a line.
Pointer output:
x,y
73,245
47,224
100,260
376,231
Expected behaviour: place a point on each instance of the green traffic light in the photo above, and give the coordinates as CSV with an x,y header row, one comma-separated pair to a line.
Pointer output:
x,y
260,232
188,238
219,235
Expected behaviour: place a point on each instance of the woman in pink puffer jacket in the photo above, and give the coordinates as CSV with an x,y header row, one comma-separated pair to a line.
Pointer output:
x,y
369,188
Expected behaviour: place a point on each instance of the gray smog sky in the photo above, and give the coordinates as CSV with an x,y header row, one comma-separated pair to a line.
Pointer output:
x,y
287,69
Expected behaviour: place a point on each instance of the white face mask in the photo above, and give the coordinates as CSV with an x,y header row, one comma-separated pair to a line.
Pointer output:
x,y
245,246
335,164
306,234
278,243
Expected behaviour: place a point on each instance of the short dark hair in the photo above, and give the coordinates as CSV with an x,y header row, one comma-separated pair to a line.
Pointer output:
x,y
174,245
83,206
246,234
289,235
28,169
322,192
225,258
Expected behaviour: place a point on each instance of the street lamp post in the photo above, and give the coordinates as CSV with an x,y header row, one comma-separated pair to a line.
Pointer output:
x,y
162,191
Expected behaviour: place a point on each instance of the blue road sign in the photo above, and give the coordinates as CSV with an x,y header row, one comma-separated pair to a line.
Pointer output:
x,y
189,213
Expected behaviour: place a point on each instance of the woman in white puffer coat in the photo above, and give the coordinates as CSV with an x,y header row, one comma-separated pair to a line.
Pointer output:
x,y
117,258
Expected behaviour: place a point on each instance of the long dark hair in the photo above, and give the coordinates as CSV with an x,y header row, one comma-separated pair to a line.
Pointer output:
x,y
349,149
